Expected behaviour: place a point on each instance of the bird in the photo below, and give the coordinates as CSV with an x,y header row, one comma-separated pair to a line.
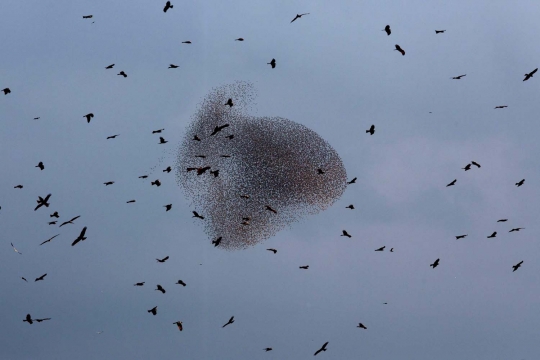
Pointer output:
x,y
180,282
387,29
53,222
40,165
186,42
157,131
6,91
122,73
267,349
168,169
267,207
225,156
298,16
516,229
218,129
230,137
196,138
305,267
323,348
518,184
492,235
501,106
452,183
272,250
40,320
42,201
28,319
70,221
459,77
202,156
87,16
239,39
81,237
37,118
153,310
179,324
40,278
55,215
217,241
229,102
353,181
371,130
160,288
17,251
18,187
168,6
381,248
48,240
162,140
435,263
163,260
139,284
143,176
231,320
272,63
196,215
24,279
130,201
244,196
215,173
167,207
392,250
476,164
350,207
89,117
108,183
112,136
461,236
320,171
502,220
109,67
398,48
439,31
361,326
156,182
467,167
172,66
345,233
517,266
527,76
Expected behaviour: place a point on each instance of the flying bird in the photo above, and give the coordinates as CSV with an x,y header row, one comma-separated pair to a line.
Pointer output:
x,y
392,250
502,220
112,136
6,91
41,201
267,207
162,140
108,183
130,201
157,183
461,236
186,42
40,278
17,251
467,167
527,76
40,165
459,77
229,102
305,267
439,31
122,73
215,173
398,48
217,241
40,320
501,106
387,29
53,222
160,288
492,235
435,263
168,6
153,310
476,164
196,138
87,16
518,184
55,215
167,207
196,215
179,324
163,260
110,66
157,131
272,250
361,326
371,130
48,240
323,348
452,183
37,118
320,171
218,129
139,284
350,207
239,39
70,221
24,279
230,137
28,319
172,66
353,181
18,187
231,320
89,117
180,282
345,233
168,169
272,63
516,229
381,248
517,266
81,237
298,16
267,349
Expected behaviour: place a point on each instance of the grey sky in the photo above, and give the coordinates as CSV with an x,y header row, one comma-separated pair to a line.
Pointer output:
x,y
336,73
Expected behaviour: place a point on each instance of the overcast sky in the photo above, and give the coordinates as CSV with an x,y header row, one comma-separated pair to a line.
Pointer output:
x,y
337,73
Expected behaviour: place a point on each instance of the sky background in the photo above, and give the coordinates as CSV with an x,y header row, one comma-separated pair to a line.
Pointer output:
x,y
337,73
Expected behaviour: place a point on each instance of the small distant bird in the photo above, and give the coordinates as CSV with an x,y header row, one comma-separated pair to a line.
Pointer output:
x,y
298,16
196,215
476,164
388,30
112,136
53,222
516,229
381,248
40,278
353,181
239,39
218,129
527,76
40,320
267,349
160,288
518,184
28,319
272,250
55,215
163,260
130,201
225,156
350,207
459,77
162,140
18,187
179,324
461,236
217,241
320,171
143,176
452,183
229,102
392,250
272,63
439,31
153,310
87,16
156,182
6,91
139,284
37,118
17,251
157,131
108,183
196,138
168,169
215,173
180,282
361,326
70,221
186,42
24,279
398,48
305,267
323,348
492,235
231,320
89,117
502,220
202,156
40,165
467,167
345,233
41,201
244,196
81,237
435,263
267,207
48,240
517,266
501,106
230,137
167,6
122,73
371,130
172,66
110,66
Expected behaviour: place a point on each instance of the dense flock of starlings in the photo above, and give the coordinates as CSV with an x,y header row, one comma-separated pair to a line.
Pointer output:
x,y
44,201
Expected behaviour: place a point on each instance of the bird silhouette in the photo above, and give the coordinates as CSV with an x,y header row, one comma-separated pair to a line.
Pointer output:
x,y
112,136
109,67
231,320
81,237
167,207
87,16
172,66
267,349
272,63
320,171
371,130
156,182
387,29
218,129
439,31
157,131
180,282
122,73
392,250
345,233
168,169
217,241
272,250
130,201
239,39
381,248
353,181
229,102
201,156
28,319
40,320
160,288
196,215
517,266
15,249
53,222
502,220
298,16
108,183
24,279
350,207
435,263
230,137
323,348
70,221
18,187
186,42
398,48
179,324
467,167
89,117
162,140
476,164
305,267
215,173
361,326
501,106
459,77
153,310
163,260
40,165
452,183
48,240
139,284
42,202
492,235
461,237
516,229
530,75
6,91
40,278
167,6
269,208
37,118
518,184
196,138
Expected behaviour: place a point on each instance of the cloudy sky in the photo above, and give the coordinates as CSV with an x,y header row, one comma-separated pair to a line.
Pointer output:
x,y
336,73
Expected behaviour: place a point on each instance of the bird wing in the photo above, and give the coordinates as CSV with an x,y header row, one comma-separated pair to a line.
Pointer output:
x,y
83,232
532,72
76,241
